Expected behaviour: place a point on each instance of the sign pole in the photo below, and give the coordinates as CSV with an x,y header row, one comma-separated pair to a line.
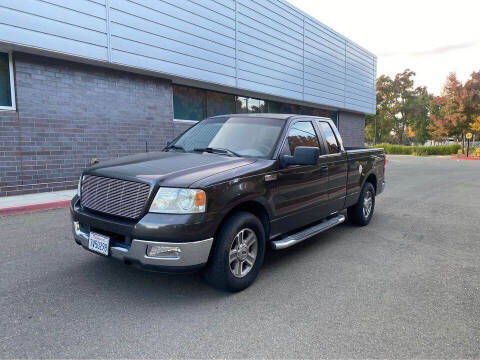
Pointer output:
x,y
469,137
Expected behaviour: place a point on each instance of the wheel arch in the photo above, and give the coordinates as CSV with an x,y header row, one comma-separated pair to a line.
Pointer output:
x,y
371,178
254,207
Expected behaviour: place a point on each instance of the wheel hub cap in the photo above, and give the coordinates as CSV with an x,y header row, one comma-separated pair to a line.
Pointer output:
x,y
243,252
367,204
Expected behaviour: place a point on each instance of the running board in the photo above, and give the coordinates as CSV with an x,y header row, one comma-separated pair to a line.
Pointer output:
x,y
307,233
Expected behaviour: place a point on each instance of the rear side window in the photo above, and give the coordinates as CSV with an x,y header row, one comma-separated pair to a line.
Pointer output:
x,y
301,133
332,143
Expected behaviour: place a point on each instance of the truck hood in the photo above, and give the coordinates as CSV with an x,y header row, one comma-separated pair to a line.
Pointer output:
x,y
173,169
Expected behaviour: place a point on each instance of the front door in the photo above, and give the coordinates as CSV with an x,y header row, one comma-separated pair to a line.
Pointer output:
x,y
300,193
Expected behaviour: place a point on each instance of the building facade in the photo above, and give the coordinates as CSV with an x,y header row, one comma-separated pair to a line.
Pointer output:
x,y
89,79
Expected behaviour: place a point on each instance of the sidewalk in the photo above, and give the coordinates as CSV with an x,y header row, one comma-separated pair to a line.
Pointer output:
x,y
13,205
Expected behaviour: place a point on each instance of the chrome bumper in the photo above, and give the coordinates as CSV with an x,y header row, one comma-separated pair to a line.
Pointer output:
x,y
381,188
187,254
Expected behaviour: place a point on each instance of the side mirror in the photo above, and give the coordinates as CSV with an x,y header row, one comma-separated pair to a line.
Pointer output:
x,y
303,155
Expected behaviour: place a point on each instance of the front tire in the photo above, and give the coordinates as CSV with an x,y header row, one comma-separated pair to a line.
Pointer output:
x,y
238,253
361,213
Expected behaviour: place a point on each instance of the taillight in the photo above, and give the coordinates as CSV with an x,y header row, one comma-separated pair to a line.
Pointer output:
x,y
385,160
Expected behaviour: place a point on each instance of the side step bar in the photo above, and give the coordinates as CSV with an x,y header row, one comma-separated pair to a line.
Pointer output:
x,y
307,233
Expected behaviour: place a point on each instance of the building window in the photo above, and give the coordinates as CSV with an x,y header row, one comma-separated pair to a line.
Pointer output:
x,y
194,104
189,103
220,104
242,105
256,106
7,93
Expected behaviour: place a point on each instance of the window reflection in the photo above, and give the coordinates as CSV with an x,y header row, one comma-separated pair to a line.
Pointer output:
x,y
220,104
242,107
189,103
301,134
5,88
332,143
256,106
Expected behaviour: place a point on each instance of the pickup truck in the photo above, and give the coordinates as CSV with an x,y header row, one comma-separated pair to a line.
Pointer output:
x,y
223,191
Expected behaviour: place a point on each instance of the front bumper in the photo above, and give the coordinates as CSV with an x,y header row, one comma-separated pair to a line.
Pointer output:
x,y
189,256
187,247
381,187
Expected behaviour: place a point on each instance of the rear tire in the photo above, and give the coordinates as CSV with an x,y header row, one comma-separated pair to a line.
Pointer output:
x,y
237,254
361,213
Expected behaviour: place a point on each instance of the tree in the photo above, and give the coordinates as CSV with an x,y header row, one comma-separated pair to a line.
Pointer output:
x,y
419,112
471,98
475,126
456,120
437,127
407,114
379,126
403,92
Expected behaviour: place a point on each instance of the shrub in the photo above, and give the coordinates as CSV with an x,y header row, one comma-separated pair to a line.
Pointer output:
x,y
477,152
420,150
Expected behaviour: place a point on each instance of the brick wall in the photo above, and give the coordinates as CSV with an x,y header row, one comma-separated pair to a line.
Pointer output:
x,y
352,128
68,113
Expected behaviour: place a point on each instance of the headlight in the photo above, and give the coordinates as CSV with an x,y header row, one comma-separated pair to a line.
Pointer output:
x,y
179,201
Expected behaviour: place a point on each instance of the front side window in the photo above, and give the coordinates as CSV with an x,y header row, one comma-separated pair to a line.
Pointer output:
x,y
6,88
333,147
301,133
246,137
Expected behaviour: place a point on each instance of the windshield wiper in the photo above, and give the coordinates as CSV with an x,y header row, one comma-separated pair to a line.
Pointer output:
x,y
176,147
217,151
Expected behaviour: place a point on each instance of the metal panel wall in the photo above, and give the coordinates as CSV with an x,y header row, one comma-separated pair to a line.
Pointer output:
x,y
264,46
183,38
77,27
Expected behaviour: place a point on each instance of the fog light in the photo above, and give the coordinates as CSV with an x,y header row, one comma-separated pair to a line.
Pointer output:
x,y
164,252
77,226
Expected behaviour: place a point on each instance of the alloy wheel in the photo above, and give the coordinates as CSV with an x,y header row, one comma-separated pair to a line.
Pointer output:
x,y
243,252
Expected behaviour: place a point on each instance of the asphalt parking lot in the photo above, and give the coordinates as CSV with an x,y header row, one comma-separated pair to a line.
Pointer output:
x,y
408,285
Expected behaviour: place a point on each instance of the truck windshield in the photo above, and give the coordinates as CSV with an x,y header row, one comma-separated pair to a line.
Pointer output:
x,y
248,137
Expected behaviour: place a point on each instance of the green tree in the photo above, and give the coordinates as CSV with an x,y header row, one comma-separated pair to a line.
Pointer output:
x,y
403,87
378,127
420,109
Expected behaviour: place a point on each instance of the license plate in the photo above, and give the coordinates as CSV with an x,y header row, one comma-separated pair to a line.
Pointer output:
x,y
99,243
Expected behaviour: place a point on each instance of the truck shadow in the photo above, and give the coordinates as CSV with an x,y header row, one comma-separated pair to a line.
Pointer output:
x,y
114,281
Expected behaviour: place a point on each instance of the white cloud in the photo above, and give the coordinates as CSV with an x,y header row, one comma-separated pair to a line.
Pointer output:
x,y
431,37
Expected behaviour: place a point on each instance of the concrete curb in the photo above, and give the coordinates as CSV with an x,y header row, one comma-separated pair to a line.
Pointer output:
x,y
22,209
466,158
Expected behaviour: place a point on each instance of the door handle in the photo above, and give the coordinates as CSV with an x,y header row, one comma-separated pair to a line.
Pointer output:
x,y
324,170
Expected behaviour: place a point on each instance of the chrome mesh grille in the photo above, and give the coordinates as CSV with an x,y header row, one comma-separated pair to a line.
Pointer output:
x,y
114,196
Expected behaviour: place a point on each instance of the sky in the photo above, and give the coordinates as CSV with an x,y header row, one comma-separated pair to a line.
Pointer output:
x,y
432,38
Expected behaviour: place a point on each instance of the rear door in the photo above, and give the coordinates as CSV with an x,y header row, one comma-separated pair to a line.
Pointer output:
x,y
336,161
300,193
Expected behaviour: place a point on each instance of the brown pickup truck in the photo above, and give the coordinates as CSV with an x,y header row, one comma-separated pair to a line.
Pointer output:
x,y
222,192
